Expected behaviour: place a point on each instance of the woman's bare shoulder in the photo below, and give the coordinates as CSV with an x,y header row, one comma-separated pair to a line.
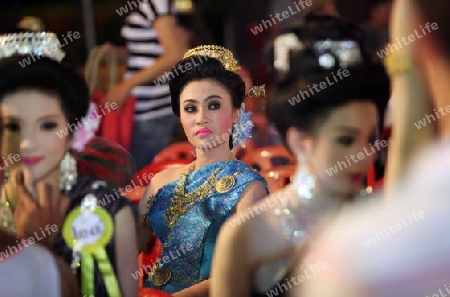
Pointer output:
x,y
251,229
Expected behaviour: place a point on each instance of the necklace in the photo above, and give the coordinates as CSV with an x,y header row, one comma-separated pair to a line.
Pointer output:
x,y
182,201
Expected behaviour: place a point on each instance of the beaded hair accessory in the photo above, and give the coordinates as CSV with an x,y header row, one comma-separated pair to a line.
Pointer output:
x,y
42,44
87,128
242,129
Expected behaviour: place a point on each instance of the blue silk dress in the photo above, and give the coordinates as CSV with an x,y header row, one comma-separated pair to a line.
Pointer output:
x,y
188,249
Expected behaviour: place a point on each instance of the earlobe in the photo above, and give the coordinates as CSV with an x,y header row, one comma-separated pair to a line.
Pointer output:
x,y
236,114
295,140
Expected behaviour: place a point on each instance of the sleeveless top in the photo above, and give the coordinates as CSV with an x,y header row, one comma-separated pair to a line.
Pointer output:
x,y
188,243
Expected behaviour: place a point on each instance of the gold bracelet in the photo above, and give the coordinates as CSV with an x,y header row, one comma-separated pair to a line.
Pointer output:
x,y
397,64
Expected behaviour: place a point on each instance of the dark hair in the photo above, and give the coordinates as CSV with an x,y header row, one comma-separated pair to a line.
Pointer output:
x,y
367,81
202,67
371,4
48,76
436,11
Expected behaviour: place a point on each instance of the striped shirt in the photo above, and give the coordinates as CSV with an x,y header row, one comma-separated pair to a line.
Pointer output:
x,y
153,99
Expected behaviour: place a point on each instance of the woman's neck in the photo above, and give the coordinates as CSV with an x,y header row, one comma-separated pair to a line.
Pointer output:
x,y
217,154
52,179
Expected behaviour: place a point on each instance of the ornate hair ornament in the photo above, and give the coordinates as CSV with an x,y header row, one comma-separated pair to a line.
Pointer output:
x,y
86,128
184,6
43,44
330,53
242,129
225,56
31,23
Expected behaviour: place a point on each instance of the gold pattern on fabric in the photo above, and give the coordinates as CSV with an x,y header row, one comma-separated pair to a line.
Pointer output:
x,y
181,202
144,219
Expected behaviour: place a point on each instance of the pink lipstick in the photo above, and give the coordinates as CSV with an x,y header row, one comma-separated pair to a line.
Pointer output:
x,y
203,132
30,161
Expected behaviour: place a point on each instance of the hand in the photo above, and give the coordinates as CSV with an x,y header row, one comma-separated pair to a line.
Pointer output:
x,y
119,93
39,218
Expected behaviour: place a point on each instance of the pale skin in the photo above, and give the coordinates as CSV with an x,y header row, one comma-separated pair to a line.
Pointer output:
x,y
172,52
203,104
409,90
431,73
243,249
29,129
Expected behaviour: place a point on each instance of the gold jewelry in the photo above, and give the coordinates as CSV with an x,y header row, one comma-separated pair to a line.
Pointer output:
x,y
144,218
397,64
225,184
6,213
225,56
184,6
181,202
31,23
161,277
258,92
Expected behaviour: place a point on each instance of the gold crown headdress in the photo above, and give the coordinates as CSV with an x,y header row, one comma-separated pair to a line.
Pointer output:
x,y
225,56
184,6
31,23
40,44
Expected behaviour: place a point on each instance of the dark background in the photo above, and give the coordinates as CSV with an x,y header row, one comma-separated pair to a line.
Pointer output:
x,y
227,21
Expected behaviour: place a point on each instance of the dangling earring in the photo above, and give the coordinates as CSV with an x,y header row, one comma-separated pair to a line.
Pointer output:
x,y
304,182
304,186
67,172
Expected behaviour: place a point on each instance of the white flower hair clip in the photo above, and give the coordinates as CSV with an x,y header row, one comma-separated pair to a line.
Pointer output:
x,y
86,129
242,130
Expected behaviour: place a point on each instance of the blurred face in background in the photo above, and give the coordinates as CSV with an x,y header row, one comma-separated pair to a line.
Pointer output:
x,y
341,151
30,122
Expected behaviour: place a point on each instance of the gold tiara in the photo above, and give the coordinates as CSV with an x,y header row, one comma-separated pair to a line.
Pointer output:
x,y
225,56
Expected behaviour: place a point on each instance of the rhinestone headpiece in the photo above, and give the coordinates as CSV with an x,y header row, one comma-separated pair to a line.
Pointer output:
x,y
330,53
225,56
40,44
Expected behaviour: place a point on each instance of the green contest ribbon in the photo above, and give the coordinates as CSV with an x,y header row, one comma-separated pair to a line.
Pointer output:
x,y
93,251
